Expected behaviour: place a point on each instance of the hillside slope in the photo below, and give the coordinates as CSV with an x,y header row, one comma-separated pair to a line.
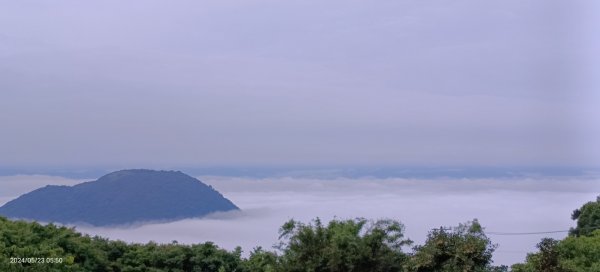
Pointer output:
x,y
121,197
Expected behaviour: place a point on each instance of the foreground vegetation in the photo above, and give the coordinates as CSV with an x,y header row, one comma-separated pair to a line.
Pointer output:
x,y
339,245
580,251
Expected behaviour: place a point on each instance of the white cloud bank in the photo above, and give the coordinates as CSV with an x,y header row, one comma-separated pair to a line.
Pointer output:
x,y
509,205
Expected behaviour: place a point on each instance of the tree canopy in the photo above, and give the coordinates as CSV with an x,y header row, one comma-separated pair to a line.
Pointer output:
x,y
580,251
343,245
351,245
587,217
340,245
464,248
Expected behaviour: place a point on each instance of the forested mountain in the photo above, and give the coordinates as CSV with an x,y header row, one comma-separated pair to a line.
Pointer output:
x,y
121,197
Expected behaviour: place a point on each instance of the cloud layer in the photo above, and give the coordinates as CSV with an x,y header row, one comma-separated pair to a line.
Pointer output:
x,y
510,205
302,82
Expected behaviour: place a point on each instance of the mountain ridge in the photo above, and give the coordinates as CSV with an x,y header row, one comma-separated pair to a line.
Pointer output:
x,y
121,197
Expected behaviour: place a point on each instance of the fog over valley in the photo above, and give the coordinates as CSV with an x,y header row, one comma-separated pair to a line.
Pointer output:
x,y
431,113
501,205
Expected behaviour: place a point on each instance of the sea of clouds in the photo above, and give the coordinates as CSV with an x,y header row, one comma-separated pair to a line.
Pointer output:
x,y
501,205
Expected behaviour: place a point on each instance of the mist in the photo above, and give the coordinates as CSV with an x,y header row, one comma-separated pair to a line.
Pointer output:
x,y
91,86
501,205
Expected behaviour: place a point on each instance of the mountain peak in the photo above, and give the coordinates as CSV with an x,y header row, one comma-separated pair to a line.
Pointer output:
x,y
121,197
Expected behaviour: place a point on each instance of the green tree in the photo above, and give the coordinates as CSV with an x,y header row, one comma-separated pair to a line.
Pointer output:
x,y
463,248
573,254
547,259
84,253
580,251
261,261
342,245
588,218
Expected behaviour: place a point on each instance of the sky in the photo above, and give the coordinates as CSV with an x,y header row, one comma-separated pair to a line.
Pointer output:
x,y
263,82
500,205
240,83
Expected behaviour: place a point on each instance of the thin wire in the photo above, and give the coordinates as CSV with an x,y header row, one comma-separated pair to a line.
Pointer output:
x,y
535,233
525,233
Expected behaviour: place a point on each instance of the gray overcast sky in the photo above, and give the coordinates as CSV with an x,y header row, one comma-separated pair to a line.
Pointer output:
x,y
258,82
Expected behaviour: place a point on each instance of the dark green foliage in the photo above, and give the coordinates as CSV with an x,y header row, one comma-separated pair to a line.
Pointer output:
x,y
546,260
343,245
588,218
580,251
261,261
84,253
573,254
340,245
464,248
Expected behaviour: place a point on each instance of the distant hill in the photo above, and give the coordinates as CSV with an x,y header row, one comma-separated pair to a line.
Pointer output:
x,y
121,197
